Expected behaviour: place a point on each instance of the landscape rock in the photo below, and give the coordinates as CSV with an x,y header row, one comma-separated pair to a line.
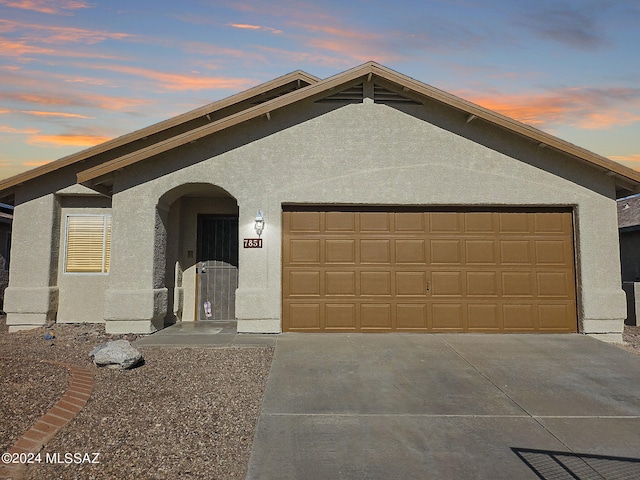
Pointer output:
x,y
116,354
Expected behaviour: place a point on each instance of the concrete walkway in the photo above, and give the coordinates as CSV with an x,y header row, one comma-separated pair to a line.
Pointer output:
x,y
404,406
212,334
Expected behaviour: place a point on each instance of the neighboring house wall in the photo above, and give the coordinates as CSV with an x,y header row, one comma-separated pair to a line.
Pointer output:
x,y
5,253
629,223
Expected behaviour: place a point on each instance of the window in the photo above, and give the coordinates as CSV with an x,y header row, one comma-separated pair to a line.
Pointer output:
x,y
88,244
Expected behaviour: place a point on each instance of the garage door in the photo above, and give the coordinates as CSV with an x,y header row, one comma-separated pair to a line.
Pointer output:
x,y
437,271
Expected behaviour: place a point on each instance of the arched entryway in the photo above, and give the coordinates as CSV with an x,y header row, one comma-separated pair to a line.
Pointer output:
x,y
201,273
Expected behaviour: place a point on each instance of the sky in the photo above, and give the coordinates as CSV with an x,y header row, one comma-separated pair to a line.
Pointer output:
x,y
75,73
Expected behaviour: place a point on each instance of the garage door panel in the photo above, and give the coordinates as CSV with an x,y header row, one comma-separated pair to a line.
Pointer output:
x,y
340,251
304,222
551,252
411,316
375,251
441,271
553,317
515,223
444,222
517,284
375,283
304,316
553,284
375,316
483,317
515,252
482,284
447,316
340,316
480,252
479,222
411,251
411,284
376,222
445,252
549,223
340,284
304,252
519,317
446,284
410,222
344,222
304,283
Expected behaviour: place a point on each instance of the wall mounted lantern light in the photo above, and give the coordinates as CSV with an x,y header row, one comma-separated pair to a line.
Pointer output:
x,y
259,226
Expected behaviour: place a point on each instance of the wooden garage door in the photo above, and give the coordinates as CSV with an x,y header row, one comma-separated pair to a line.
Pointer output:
x,y
438,271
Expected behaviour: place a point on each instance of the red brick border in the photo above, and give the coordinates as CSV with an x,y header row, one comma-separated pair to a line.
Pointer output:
x,y
58,416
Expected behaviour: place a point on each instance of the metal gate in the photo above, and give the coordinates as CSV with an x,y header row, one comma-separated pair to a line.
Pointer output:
x,y
217,267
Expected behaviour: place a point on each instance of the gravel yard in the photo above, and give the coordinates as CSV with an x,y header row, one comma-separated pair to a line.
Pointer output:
x,y
186,413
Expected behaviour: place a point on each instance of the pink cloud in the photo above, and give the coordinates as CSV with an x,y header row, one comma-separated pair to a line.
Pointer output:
x,y
56,7
172,81
582,107
36,163
66,140
53,114
50,34
246,26
632,161
18,131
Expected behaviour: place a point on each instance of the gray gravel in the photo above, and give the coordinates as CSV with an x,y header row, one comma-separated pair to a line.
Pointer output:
x,y
186,413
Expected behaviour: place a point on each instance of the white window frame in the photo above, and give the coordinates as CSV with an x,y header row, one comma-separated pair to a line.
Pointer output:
x,y
105,218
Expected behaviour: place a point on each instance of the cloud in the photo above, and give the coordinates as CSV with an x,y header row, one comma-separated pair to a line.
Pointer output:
x,y
18,131
77,100
36,163
178,82
583,107
49,34
246,26
4,110
632,161
66,140
17,49
54,7
53,114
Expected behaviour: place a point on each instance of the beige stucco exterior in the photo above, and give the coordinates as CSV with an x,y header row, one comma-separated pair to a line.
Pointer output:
x,y
357,153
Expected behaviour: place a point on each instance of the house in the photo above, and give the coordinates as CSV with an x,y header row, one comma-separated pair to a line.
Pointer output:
x,y
364,202
629,225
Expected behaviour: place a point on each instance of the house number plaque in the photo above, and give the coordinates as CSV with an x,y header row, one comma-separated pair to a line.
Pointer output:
x,y
252,243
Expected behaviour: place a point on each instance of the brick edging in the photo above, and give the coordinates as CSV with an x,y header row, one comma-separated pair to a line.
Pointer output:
x,y
57,417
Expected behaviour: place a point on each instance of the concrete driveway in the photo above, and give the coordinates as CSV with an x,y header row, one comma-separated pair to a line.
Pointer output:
x,y
405,406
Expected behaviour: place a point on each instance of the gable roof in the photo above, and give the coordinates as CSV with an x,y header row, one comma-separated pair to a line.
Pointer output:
x,y
238,108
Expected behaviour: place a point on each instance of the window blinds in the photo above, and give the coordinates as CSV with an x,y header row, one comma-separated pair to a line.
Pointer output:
x,y
88,243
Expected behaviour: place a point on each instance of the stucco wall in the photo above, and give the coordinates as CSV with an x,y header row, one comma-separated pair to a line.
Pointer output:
x,y
81,295
358,154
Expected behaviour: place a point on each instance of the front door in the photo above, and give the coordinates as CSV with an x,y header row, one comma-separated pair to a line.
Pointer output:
x,y
217,267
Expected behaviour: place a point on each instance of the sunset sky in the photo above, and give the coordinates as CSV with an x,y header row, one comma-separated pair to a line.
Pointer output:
x,y
75,73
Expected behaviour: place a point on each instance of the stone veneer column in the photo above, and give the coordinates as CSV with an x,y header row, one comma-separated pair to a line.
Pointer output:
x,y
31,299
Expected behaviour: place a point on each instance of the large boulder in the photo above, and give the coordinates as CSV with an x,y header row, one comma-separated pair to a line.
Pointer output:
x,y
116,354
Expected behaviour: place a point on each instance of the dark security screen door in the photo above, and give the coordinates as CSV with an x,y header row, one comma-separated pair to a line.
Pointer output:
x,y
217,267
